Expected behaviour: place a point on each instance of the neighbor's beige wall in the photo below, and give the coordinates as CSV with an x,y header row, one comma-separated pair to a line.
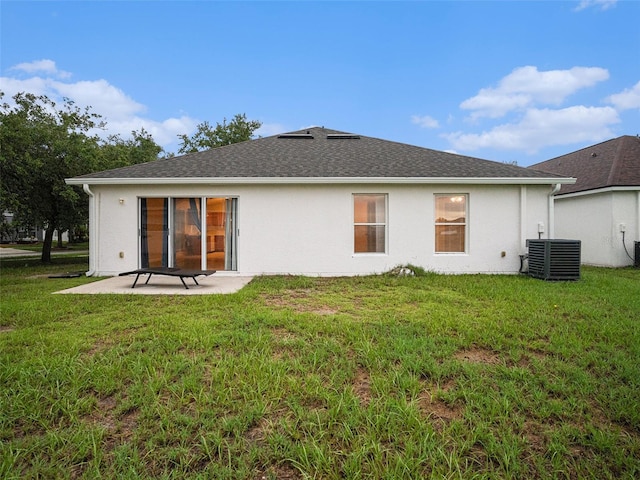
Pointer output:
x,y
595,220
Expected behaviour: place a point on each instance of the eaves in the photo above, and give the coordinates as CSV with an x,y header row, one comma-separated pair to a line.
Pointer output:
x,y
322,180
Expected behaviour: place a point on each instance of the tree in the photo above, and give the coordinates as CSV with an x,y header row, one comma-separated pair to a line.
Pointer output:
x,y
41,145
116,152
237,130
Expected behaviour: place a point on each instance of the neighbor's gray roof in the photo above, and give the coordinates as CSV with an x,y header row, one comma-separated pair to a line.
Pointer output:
x,y
614,163
315,153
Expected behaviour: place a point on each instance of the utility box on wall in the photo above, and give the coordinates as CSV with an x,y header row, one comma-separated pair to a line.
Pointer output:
x,y
551,259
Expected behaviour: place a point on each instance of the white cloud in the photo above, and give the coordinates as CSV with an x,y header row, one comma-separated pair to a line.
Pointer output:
x,y
41,66
105,99
10,86
542,128
269,129
526,86
628,99
603,4
424,121
165,133
121,112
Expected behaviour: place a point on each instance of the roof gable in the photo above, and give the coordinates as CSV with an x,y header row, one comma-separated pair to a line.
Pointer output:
x,y
316,153
614,163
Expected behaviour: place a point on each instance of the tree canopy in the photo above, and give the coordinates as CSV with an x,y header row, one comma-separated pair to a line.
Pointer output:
x,y
239,129
116,152
41,144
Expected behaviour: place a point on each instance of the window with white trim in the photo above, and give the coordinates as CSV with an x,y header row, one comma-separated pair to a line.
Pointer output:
x,y
369,223
451,223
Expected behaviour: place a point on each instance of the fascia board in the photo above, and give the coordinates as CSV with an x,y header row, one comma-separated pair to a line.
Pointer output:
x,y
596,191
321,180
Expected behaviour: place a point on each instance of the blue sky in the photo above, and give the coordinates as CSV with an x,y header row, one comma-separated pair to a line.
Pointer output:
x,y
503,80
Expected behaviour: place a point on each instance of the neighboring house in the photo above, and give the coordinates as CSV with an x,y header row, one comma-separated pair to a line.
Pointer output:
x,y
10,233
317,202
603,207
14,233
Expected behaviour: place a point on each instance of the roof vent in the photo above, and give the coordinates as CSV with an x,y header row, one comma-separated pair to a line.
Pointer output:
x,y
295,135
332,136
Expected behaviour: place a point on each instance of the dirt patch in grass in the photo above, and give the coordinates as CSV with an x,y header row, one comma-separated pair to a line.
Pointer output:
x,y
284,354
535,438
256,436
537,354
527,360
300,301
6,329
281,472
285,298
284,349
362,386
289,302
324,311
600,419
119,426
258,432
440,411
479,355
284,334
114,338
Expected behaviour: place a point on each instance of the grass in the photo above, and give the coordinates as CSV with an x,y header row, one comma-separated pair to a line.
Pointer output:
x,y
370,377
37,247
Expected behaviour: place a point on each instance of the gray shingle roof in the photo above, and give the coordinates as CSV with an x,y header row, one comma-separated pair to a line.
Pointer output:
x,y
614,163
318,153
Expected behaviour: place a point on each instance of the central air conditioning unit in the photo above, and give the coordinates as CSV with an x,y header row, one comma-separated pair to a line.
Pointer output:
x,y
551,259
636,262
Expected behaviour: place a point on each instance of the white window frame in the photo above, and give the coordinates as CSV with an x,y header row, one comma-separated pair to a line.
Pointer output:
x,y
458,224
384,224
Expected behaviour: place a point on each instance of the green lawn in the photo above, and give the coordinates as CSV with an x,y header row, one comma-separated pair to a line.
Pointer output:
x,y
371,377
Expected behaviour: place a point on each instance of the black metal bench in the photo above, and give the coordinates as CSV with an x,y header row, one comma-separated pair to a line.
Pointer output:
x,y
170,272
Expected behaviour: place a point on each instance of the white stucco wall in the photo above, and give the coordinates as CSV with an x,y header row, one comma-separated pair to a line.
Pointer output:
x,y
595,219
308,229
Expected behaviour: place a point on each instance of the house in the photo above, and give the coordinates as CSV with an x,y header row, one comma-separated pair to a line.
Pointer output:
x,y
12,232
602,208
317,202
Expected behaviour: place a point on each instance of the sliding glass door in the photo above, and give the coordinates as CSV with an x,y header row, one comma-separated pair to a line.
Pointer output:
x,y
154,232
190,233
187,233
231,239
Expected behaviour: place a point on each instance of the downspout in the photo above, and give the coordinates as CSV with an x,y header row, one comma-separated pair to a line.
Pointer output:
x,y
555,189
92,228
523,218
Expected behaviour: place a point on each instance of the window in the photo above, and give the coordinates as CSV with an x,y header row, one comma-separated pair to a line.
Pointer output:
x,y
369,223
451,223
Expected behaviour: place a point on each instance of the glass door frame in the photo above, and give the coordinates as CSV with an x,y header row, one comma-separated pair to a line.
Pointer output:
x,y
169,257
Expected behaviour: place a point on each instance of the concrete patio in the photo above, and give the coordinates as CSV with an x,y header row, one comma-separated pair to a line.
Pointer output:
x,y
159,285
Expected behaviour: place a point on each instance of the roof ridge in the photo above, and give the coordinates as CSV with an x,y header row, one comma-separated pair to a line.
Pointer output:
x,y
314,127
